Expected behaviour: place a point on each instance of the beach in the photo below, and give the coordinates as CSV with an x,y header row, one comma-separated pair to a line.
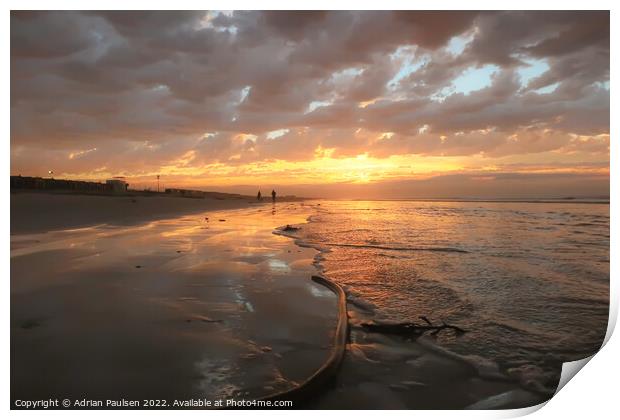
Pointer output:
x,y
36,211
184,307
209,303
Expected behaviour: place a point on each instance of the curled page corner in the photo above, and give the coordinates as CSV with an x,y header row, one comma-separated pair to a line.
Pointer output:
x,y
613,317
569,370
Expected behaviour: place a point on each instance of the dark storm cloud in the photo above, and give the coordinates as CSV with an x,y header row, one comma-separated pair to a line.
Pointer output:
x,y
432,29
335,80
292,25
48,35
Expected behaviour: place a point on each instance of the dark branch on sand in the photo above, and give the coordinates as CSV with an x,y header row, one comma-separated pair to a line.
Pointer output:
x,y
410,329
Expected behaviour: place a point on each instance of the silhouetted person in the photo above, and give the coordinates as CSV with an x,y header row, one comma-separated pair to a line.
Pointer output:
x,y
273,195
259,197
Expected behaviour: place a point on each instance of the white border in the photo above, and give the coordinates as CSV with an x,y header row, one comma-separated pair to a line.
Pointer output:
x,y
592,394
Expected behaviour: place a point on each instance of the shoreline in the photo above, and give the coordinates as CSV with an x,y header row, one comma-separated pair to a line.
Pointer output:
x,y
249,319
496,389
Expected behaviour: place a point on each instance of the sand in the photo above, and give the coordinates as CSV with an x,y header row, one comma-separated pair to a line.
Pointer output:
x,y
110,300
176,308
43,211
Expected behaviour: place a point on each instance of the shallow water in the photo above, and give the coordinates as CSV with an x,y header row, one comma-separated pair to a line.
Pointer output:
x,y
528,281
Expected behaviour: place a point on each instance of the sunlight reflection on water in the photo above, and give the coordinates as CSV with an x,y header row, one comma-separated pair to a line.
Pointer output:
x,y
528,281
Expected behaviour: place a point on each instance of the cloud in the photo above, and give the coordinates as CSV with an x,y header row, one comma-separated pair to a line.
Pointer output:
x,y
113,81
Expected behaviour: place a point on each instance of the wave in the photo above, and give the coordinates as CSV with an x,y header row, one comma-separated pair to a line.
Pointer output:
x,y
332,231
321,246
398,248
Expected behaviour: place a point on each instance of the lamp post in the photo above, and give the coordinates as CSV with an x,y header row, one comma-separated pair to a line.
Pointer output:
x,y
157,183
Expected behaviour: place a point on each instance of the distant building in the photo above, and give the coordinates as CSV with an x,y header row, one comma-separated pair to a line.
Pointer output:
x,y
117,185
38,183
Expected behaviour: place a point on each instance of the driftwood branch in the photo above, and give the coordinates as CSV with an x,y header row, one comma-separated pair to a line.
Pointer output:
x,y
410,329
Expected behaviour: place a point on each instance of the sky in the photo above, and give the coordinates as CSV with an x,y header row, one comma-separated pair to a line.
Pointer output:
x,y
337,104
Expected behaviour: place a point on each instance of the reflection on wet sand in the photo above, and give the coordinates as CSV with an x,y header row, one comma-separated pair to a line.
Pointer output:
x,y
178,308
195,307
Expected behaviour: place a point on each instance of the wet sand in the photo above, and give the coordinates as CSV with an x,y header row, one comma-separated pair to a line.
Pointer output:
x,y
178,308
387,372
190,307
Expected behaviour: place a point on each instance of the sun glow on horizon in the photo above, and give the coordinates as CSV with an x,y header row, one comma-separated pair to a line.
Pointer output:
x,y
324,169
329,169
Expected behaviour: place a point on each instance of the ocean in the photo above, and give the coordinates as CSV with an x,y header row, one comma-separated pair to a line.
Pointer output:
x,y
527,281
